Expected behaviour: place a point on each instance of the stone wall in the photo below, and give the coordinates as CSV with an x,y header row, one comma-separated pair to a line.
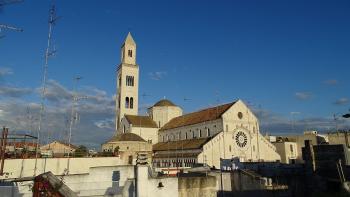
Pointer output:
x,y
197,186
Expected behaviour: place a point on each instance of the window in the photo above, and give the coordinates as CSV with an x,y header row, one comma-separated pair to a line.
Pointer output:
x,y
291,148
131,103
208,132
193,134
163,138
127,102
200,132
123,128
186,135
130,53
230,148
129,80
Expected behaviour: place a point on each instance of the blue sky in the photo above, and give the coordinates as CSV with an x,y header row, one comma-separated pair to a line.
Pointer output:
x,y
279,56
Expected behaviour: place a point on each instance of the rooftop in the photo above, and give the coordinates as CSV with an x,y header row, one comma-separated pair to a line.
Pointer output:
x,y
204,115
181,145
126,137
164,102
141,121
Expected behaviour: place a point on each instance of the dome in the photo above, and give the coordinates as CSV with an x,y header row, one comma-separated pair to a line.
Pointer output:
x,y
164,103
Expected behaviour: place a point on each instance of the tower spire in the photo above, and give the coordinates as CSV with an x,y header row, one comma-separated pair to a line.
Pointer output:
x,y
129,40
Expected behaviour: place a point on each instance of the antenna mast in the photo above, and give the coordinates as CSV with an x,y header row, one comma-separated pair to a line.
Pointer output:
x,y
8,27
48,53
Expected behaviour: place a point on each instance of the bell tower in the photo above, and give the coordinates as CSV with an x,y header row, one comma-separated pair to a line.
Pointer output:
x,y
127,82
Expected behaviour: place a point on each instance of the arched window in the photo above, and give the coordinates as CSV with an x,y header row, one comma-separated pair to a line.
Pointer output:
x,y
129,80
127,102
130,53
208,132
131,103
186,135
123,128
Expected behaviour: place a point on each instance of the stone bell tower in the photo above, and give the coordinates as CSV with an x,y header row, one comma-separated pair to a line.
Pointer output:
x,y
127,82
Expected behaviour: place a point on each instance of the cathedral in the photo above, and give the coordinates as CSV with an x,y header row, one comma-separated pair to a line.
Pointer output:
x,y
203,137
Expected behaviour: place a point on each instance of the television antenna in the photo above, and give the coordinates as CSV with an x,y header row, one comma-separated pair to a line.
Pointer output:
x,y
48,53
4,27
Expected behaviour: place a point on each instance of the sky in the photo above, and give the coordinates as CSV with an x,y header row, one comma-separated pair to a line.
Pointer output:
x,y
288,60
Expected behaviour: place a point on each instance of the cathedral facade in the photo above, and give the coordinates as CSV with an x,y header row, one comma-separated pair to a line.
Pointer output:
x,y
204,137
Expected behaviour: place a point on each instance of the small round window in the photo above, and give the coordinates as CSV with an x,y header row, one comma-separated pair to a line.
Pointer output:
x,y
240,115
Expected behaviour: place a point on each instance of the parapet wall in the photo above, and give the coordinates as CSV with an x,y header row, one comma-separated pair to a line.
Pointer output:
x,y
19,168
197,186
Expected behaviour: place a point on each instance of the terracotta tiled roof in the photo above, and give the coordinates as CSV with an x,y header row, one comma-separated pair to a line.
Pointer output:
x,y
126,137
164,102
21,144
204,115
181,145
66,144
141,121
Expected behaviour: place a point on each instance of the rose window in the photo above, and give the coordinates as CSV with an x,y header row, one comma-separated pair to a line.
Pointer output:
x,y
241,139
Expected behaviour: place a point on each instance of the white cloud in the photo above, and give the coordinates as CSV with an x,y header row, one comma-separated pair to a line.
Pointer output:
x,y
331,82
96,113
274,123
10,91
303,95
5,71
105,124
342,101
158,75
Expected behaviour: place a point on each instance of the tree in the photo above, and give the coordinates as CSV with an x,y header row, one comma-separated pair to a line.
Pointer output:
x,y
81,151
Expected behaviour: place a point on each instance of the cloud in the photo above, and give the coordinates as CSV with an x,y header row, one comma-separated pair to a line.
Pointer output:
x,y
5,71
14,92
303,95
331,82
105,124
158,75
341,101
96,115
294,123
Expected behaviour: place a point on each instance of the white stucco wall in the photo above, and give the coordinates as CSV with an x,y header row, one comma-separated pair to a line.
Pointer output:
x,y
287,151
148,134
163,114
148,187
16,168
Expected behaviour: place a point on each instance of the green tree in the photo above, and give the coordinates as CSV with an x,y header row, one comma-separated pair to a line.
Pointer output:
x,y
81,151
